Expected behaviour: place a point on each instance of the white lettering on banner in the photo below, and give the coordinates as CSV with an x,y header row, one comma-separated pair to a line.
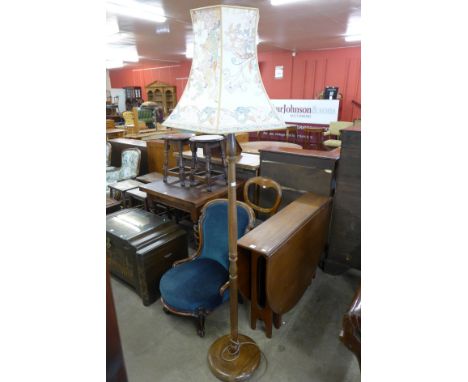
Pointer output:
x,y
317,111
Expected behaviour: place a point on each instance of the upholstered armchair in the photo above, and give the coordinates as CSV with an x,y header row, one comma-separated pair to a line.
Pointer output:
x,y
147,116
108,157
129,169
335,131
197,285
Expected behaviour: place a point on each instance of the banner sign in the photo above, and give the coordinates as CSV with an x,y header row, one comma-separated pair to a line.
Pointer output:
x,y
307,111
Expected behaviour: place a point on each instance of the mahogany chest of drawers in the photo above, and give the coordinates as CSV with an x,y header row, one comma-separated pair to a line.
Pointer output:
x,y
141,247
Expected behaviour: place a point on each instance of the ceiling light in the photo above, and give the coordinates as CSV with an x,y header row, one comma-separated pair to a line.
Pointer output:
x,y
353,38
189,50
112,26
113,64
354,26
283,2
127,53
136,9
163,29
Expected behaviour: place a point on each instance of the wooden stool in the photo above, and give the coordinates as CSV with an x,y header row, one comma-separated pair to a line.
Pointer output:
x,y
207,142
136,194
122,187
179,140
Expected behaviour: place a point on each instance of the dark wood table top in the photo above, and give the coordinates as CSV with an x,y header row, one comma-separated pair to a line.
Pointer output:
x,y
110,202
135,192
149,178
125,185
255,146
324,154
266,238
196,196
128,141
177,136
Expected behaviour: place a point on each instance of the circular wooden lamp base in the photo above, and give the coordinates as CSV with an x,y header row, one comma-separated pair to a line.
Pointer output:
x,y
240,368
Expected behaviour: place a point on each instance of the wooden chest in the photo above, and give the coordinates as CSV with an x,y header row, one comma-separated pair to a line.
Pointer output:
x,y
142,247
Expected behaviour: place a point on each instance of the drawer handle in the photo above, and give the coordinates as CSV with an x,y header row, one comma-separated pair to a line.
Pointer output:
x,y
168,255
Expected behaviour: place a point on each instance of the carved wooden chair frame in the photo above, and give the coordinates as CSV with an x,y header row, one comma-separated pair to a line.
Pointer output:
x,y
264,183
201,314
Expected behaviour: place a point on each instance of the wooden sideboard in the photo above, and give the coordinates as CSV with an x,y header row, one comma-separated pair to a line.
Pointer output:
x,y
344,249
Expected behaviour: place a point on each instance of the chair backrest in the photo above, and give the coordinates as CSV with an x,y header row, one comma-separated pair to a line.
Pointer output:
x,y
130,163
336,127
263,183
108,154
213,229
145,115
128,118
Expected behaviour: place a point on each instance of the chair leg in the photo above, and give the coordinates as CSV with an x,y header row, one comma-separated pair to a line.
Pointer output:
x,y
201,322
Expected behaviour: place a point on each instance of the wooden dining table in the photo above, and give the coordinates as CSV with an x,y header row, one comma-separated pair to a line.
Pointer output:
x,y
254,147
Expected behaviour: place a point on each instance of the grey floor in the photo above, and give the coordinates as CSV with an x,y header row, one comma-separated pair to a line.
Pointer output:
x,y
160,347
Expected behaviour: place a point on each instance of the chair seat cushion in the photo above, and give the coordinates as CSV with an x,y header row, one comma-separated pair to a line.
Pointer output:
x,y
194,285
332,143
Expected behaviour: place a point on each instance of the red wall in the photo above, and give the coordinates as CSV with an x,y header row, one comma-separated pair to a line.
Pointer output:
x,y
304,76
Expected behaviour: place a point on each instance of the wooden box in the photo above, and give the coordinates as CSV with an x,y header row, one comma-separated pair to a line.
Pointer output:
x,y
142,247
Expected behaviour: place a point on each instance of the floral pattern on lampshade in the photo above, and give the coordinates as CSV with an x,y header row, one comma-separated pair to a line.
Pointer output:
x,y
225,92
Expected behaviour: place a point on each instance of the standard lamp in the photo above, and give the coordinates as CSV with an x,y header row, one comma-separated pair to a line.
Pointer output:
x,y
225,95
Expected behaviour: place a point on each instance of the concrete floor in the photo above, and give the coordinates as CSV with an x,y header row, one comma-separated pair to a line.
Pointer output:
x,y
161,347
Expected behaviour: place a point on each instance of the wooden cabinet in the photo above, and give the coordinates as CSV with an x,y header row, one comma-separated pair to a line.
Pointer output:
x,y
344,249
163,94
132,97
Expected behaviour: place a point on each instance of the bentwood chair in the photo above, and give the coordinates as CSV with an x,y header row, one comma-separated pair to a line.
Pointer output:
x,y
262,183
197,285
335,130
129,169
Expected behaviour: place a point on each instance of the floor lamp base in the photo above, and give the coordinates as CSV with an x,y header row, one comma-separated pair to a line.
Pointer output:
x,y
238,369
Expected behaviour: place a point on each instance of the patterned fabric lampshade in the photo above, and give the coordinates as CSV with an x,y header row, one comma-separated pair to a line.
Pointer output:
x,y
225,92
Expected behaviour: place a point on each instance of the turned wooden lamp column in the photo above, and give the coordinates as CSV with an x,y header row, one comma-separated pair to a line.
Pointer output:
x,y
234,356
224,95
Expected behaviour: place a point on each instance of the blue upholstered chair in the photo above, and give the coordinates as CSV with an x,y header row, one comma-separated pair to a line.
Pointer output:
x,y
129,168
196,286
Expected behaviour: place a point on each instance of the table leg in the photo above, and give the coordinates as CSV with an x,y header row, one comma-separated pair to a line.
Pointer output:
x,y
166,160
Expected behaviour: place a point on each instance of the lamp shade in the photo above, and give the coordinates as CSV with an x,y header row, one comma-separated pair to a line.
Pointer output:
x,y
225,92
